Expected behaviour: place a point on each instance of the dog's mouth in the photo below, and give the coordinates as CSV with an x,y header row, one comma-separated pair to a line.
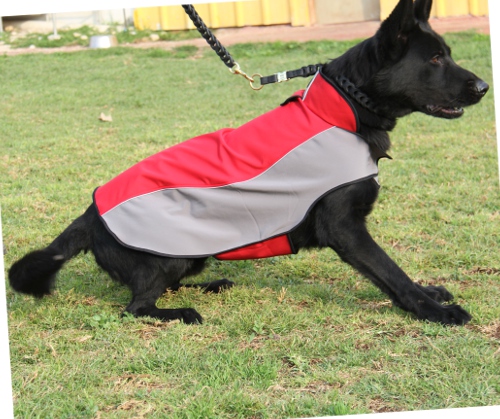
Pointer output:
x,y
444,112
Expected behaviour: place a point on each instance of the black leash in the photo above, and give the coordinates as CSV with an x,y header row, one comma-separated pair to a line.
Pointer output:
x,y
214,43
222,52
233,66
309,70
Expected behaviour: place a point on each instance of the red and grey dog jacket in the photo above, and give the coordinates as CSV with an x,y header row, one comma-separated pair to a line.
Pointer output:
x,y
237,193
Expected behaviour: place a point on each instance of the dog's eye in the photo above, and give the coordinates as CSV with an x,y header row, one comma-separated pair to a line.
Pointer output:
x,y
437,59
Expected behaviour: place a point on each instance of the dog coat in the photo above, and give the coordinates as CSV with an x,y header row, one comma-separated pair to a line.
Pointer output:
x,y
238,193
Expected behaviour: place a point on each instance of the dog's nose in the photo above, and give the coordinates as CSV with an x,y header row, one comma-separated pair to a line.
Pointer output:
x,y
481,87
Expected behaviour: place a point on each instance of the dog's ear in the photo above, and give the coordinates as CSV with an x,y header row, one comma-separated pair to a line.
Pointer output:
x,y
393,33
422,10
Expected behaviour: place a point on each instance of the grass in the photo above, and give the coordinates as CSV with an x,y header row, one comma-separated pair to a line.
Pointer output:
x,y
299,336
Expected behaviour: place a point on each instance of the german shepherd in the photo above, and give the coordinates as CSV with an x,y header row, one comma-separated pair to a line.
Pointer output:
x,y
405,67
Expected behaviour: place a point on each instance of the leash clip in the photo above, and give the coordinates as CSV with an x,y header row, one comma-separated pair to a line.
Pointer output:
x,y
236,69
260,86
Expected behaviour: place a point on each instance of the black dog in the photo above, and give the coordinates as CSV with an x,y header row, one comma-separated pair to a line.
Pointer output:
x,y
405,67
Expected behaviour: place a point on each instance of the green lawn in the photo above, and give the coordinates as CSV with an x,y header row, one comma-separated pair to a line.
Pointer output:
x,y
298,336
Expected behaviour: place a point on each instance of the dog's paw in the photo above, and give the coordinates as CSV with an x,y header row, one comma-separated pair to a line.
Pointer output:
x,y
437,293
185,315
452,315
175,287
189,316
218,286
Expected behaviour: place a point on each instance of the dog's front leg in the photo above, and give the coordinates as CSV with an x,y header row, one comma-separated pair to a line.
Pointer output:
x,y
340,224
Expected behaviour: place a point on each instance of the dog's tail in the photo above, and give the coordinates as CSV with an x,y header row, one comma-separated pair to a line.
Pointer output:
x,y
35,273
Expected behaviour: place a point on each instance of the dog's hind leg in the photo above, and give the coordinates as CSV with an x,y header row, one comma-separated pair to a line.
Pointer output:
x,y
146,293
148,280
148,276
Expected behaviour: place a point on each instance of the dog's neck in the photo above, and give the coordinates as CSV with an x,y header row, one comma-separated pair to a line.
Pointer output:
x,y
354,93
373,125
365,106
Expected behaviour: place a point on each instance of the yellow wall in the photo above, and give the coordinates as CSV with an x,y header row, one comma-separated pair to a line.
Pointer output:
x,y
225,15
444,8
275,12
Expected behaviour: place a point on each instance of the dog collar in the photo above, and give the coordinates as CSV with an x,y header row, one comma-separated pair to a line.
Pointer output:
x,y
354,93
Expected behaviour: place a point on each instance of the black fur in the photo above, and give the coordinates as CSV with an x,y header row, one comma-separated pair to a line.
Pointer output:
x,y
405,67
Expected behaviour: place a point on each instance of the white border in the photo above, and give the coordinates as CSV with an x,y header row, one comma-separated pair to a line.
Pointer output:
x,y
461,413
6,402
24,7
36,7
494,10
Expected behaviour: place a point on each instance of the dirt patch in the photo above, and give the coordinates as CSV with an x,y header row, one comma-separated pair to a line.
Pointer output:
x,y
284,33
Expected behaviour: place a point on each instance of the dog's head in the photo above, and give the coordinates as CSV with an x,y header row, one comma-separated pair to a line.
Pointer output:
x,y
408,67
